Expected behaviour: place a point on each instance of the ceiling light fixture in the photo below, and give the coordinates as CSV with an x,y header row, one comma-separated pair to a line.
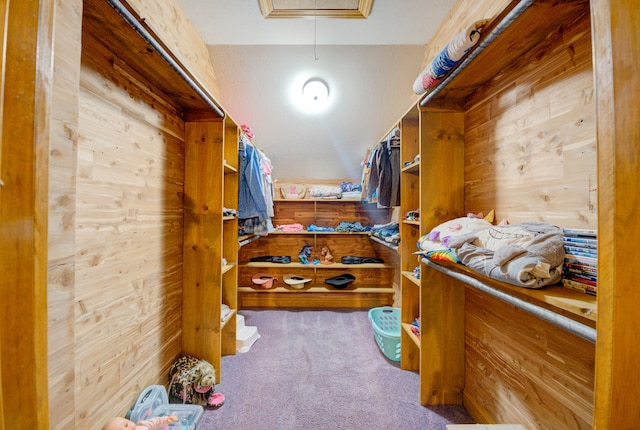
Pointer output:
x,y
315,92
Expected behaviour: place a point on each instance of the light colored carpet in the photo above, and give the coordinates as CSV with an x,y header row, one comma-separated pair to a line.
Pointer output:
x,y
320,369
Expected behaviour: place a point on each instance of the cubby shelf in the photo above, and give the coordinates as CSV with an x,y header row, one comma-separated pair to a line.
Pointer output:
x,y
413,168
411,277
307,232
294,265
327,289
324,200
227,267
407,329
373,285
411,222
230,317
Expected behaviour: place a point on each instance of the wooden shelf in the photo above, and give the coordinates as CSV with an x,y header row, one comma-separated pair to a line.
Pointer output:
x,y
324,200
409,276
228,218
563,302
535,19
294,265
315,297
382,242
520,53
227,267
247,239
229,169
413,168
327,289
407,328
307,232
411,222
232,314
374,281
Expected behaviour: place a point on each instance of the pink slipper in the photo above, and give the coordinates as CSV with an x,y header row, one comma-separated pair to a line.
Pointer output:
x,y
216,400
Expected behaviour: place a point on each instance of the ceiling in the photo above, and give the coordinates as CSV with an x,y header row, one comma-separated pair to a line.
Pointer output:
x,y
369,64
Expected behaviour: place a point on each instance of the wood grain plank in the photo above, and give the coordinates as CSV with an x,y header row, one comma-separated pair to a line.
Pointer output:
x,y
62,206
128,236
616,44
202,290
519,367
530,141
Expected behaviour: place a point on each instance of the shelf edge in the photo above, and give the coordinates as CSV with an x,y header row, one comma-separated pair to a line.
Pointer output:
x,y
554,318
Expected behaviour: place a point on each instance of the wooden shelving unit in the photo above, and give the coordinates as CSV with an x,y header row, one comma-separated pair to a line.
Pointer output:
x,y
410,232
211,245
446,296
374,282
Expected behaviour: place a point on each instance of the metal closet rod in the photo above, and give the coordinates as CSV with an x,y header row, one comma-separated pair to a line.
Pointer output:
x,y
493,35
558,320
135,24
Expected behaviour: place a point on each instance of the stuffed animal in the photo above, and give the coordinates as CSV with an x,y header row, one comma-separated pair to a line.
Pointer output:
x,y
193,381
156,423
305,254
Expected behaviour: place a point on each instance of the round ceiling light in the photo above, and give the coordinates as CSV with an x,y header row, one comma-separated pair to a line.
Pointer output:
x,y
315,91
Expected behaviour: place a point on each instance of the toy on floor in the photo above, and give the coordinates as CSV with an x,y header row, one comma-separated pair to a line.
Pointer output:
x,y
156,423
305,254
193,381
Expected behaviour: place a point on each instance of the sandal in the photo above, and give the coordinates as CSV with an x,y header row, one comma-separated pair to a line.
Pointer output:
x,y
350,259
372,260
282,260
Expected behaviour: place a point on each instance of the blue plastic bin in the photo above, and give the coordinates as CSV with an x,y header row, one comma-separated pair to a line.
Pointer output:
x,y
386,330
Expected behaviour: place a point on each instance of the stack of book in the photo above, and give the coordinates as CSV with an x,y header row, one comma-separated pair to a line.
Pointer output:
x,y
580,270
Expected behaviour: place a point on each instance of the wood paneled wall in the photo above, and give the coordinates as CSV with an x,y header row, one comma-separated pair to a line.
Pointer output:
x,y
62,216
530,150
115,216
520,369
530,154
129,235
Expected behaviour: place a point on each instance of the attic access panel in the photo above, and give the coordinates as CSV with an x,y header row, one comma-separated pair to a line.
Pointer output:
x,y
310,8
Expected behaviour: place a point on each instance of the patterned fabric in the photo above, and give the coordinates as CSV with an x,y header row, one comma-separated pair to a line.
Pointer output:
x,y
325,191
447,59
443,255
192,380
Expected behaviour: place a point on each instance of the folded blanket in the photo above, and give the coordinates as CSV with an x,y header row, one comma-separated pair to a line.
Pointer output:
x,y
528,254
325,191
448,57
290,227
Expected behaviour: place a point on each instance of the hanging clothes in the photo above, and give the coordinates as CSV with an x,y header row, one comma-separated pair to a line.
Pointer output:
x,y
381,175
394,158
383,185
253,213
267,182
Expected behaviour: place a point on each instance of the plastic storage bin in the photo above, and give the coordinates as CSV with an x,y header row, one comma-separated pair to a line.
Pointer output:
x,y
153,401
386,330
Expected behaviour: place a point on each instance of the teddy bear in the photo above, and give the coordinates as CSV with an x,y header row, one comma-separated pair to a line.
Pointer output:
x,y
193,381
